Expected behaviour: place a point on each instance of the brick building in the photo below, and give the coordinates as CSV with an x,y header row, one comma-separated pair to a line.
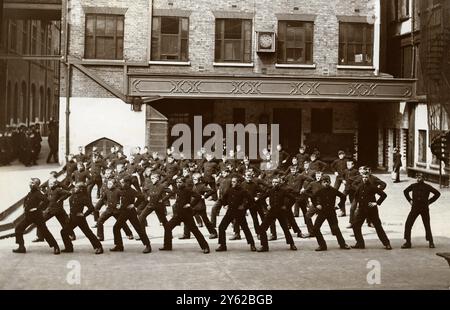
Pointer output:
x,y
409,58
29,88
314,67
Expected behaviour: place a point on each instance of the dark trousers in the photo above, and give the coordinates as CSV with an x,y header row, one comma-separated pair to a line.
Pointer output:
x,y
104,217
371,214
412,216
78,221
96,180
53,153
352,211
148,209
338,182
331,217
185,216
204,217
302,203
239,217
130,215
60,215
291,221
270,218
215,212
34,217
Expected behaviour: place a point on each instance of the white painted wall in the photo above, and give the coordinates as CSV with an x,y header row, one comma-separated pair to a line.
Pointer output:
x,y
422,124
96,118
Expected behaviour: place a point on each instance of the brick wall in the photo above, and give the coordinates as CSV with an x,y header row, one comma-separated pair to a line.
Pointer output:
x,y
202,30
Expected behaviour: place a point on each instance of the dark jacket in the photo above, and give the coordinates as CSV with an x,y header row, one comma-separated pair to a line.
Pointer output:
x,y
34,200
78,201
365,193
326,197
421,195
339,166
236,198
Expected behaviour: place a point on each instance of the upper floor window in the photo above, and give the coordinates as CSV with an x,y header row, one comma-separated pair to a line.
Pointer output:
x,y
104,36
355,44
295,42
233,40
170,37
402,7
12,35
34,39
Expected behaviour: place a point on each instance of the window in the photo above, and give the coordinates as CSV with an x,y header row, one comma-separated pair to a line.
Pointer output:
x,y
12,36
402,7
104,36
34,40
355,44
25,32
295,42
407,60
321,120
422,146
170,37
233,40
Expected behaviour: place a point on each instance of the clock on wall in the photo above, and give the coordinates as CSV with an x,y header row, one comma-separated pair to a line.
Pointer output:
x,y
265,42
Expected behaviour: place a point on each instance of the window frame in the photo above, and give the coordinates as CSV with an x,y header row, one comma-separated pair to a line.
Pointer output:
x,y
366,45
282,42
117,18
244,41
157,36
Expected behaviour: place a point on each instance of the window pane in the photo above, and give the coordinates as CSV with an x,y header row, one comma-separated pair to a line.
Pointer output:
x,y
100,47
119,48
120,26
156,25
169,45
90,25
219,28
218,50
184,50
170,25
232,50
89,52
110,25
184,28
101,23
233,29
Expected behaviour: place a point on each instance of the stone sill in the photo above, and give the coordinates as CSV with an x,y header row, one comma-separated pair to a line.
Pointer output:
x,y
169,63
296,66
232,64
350,67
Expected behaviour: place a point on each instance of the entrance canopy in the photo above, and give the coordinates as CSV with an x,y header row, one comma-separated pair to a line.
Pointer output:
x,y
272,87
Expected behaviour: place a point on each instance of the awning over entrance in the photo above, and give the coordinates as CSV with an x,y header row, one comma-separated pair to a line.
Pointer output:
x,y
272,87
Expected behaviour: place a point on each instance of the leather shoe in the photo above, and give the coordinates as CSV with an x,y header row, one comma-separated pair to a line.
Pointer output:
x,y
406,245
252,248
130,237
99,251
101,239
236,237
273,238
293,247
206,251
388,247
38,240
73,237
358,246
20,249
184,238
117,249
213,236
262,249
56,250
320,249
67,251
345,247
302,235
221,248
431,245
148,249
165,249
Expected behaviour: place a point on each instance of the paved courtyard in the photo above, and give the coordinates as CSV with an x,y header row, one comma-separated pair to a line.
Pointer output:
x,y
187,268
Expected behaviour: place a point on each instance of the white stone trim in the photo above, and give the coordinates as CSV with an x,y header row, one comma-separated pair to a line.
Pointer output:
x,y
169,63
350,67
232,64
296,66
